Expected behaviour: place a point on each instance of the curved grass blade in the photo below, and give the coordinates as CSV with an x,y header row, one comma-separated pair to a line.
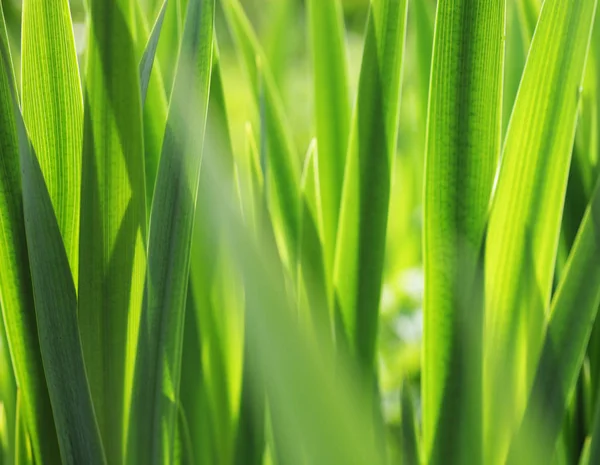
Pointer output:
x,y
463,146
147,61
526,213
283,176
332,111
169,43
113,217
158,362
53,109
154,98
572,316
360,244
15,276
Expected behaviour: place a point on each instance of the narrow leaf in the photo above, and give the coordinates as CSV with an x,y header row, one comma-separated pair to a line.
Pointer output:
x,y
15,276
463,146
158,362
56,310
53,109
147,62
360,245
332,111
113,217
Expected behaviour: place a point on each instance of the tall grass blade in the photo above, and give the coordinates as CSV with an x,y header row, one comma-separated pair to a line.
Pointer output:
x,y
113,217
15,276
56,310
525,218
158,362
332,111
312,278
463,146
217,292
360,244
147,61
154,97
53,109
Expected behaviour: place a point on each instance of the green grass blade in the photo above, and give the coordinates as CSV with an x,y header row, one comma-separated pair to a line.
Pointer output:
x,y
312,279
22,451
573,313
147,61
360,244
283,177
525,218
53,109
15,277
113,216
593,449
170,42
158,362
332,111
250,442
410,441
463,146
56,310
216,289
154,98
8,394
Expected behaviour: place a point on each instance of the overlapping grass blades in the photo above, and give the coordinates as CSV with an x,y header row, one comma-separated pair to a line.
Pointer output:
x,y
283,174
158,362
525,217
113,216
360,244
15,276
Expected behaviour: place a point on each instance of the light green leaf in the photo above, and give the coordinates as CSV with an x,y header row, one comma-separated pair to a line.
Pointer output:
x,y
332,111
463,146
154,98
526,213
53,109
147,62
